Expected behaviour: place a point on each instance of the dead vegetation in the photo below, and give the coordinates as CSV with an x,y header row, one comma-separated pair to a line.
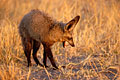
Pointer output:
x,y
97,39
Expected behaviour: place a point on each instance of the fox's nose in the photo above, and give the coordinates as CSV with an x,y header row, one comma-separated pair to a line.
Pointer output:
x,y
73,45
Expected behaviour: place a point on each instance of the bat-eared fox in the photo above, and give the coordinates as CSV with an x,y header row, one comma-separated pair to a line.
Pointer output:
x,y
38,28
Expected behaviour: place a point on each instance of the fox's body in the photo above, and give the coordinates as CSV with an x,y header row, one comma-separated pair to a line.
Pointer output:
x,y
37,28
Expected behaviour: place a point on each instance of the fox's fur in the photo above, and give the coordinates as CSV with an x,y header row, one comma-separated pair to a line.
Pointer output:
x,y
37,28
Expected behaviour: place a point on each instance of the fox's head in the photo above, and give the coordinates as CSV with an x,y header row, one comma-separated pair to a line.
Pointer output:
x,y
68,31
63,32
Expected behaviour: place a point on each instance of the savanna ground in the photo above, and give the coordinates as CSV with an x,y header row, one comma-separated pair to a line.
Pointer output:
x,y
96,36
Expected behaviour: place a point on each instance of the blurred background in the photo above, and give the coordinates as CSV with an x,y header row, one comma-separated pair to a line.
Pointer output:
x,y
96,36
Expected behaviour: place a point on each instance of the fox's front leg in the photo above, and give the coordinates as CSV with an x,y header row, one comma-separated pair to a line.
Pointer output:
x,y
48,53
50,56
45,58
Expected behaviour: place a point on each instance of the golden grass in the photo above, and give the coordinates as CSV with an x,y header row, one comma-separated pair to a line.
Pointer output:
x,y
97,40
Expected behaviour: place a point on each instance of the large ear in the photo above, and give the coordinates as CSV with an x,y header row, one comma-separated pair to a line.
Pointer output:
x,y
71,24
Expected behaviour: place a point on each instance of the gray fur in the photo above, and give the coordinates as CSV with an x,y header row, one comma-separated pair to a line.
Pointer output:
x,y
37,26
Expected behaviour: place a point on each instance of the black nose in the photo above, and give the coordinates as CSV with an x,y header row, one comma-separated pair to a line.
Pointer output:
x,y
73,45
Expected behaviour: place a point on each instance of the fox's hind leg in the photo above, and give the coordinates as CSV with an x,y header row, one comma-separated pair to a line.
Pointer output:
x,y
27,44
36,46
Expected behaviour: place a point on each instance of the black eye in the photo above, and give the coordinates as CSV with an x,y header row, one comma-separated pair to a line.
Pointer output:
x,y
70,38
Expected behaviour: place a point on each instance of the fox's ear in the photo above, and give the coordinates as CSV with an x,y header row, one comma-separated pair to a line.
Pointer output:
x,y
71,24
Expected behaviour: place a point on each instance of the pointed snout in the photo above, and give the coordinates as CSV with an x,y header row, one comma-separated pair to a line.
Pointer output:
x,y
71,42
73,45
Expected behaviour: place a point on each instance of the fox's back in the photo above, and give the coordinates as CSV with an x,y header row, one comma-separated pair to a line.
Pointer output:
x,y
36,24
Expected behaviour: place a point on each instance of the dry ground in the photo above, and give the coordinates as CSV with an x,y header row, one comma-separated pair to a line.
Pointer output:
x,y
97,39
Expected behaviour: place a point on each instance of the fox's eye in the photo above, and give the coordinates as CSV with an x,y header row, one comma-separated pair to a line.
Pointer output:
x,y
70,38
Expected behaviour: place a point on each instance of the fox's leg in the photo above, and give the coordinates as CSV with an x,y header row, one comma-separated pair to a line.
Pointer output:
x,y
50,56
48,53
44,57
36,46
27,44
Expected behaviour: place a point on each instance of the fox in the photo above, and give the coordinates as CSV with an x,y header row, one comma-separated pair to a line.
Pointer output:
x,y
37,28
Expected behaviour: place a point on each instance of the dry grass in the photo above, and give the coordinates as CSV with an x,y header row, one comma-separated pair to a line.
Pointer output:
x,y
97,39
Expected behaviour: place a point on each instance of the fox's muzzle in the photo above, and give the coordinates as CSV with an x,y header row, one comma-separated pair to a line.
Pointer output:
x,y
72,44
